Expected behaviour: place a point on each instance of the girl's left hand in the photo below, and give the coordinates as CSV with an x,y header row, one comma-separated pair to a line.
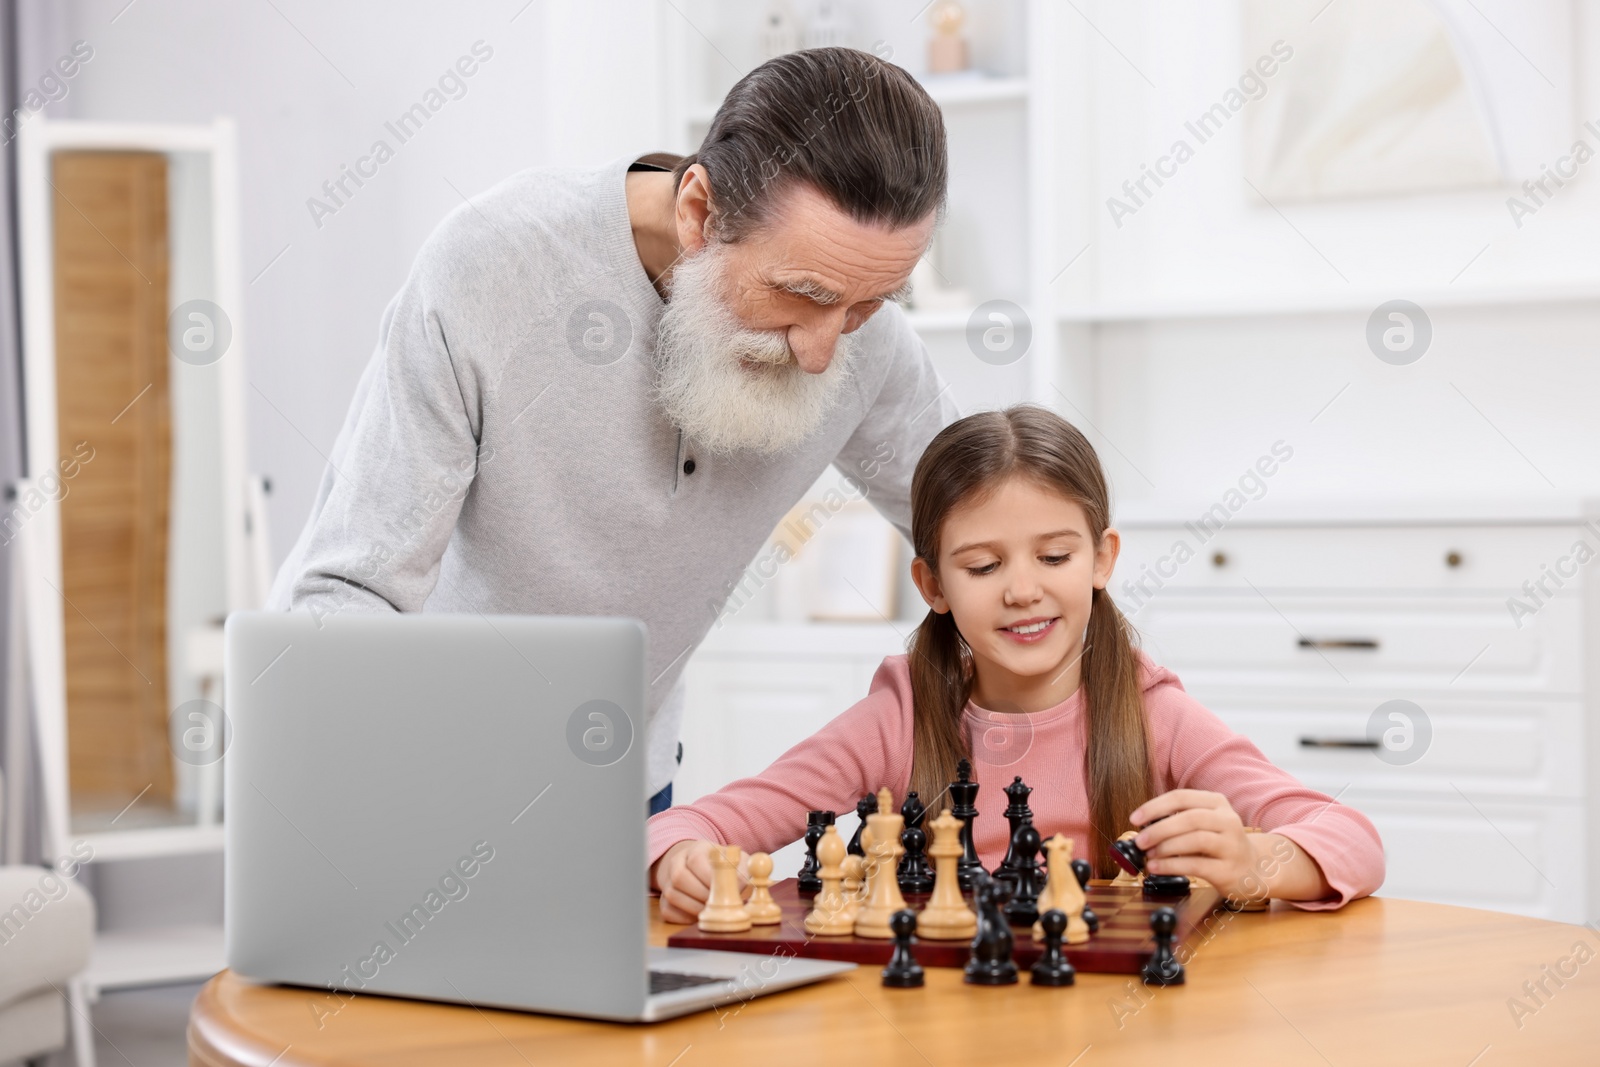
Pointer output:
x,y
1200,835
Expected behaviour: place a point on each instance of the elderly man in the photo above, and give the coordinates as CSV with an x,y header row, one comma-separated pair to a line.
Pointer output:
x,y
601,388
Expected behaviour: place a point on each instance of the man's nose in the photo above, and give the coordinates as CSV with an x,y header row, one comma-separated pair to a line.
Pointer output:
x,y
813,345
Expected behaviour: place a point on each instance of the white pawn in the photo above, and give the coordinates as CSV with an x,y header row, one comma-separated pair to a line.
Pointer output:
x,y
725,912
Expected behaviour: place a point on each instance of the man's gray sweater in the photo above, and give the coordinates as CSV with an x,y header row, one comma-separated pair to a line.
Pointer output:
x,y
503,454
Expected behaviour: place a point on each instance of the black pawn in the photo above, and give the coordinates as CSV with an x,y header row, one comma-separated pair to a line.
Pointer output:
x,y
1023,908
903,972
912,813
1163,968
1017,813
1083,870
964,806
914,876
992,945
867,805
1091,920
816,825
1053,968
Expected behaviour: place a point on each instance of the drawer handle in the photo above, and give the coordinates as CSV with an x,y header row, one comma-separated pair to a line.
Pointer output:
x,y
1339,742
1367,644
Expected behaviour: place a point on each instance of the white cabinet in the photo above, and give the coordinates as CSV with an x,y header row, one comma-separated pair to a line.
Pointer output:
x,y
1296,624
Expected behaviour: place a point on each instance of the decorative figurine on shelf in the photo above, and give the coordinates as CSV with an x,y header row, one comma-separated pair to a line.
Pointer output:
x,y
827,25
780,31
947,49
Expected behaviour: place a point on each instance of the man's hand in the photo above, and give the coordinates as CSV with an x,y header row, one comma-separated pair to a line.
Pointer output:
x,y
683,874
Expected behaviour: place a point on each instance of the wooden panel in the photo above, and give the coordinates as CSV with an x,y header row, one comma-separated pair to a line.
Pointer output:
x,y
111,261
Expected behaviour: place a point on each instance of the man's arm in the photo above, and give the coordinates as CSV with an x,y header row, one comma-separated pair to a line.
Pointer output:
x,y
398,472
911,406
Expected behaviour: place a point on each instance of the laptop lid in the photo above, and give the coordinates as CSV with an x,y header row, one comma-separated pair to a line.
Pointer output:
x,y
440,806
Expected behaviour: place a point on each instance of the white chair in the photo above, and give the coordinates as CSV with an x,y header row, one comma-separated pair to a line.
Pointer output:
x,y
46,927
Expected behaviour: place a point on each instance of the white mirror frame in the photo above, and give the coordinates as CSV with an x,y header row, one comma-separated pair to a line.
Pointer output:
x,y
41,535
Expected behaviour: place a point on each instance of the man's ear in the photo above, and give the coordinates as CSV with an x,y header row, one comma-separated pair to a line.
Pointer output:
x,y
928,585
1105,556
693,209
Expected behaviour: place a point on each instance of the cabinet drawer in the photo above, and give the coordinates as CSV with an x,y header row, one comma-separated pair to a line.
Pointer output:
x,y
1466,644
1509,857
1496,559
1528,749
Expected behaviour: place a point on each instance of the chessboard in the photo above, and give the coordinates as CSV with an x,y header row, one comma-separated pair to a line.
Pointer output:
x,y
1121,946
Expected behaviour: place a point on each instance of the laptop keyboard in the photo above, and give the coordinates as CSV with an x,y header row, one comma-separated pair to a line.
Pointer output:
x,y
671,981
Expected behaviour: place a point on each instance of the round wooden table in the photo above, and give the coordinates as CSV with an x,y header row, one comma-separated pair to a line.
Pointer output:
x,y
1382,981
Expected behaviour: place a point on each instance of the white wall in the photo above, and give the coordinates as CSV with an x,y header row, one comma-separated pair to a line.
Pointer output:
x,y
311,89
1183,401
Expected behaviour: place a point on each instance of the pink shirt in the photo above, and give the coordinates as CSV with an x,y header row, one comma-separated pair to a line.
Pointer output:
x,y
869,746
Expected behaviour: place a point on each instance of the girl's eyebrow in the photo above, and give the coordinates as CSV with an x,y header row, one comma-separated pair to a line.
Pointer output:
x,y
1075,535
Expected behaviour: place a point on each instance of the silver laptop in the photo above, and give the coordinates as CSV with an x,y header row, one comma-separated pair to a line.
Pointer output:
x,y
452,807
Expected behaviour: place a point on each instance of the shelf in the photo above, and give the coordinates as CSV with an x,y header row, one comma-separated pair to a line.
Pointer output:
x,y
161,955
144,844
1269,306
953,90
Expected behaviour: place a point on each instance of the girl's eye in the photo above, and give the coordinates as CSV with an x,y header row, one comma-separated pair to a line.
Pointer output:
x,y
979,572
1055,561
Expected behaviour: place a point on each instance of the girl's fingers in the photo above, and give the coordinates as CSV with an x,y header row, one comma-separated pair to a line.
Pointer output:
x,y
1184,822
1175,801
1207,843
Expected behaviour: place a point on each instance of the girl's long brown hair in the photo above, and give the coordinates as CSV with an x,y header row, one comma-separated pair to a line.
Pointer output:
x,y
965,462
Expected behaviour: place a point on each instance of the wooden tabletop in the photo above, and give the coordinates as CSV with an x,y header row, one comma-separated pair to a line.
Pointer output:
x,y
1381,981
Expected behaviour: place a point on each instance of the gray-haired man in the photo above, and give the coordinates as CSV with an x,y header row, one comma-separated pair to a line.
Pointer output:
x,y
542,431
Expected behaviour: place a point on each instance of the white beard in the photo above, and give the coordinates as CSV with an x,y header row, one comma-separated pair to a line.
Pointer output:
x,y
700,382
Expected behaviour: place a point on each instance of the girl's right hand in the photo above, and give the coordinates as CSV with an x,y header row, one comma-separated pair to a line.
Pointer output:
x,y
683,874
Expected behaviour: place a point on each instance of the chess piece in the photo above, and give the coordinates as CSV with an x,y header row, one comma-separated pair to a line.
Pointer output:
x,y
829,915
764,911
1063,892
855,872
1163,968
991,962
914,876
1084,870
1132,859
883,889
947,48
1091,920
1165,886
1017,813
947,917
963,805
807,880
725,912
1052,969
1023,908
1129,857
864,807
912,813
780,32
903,971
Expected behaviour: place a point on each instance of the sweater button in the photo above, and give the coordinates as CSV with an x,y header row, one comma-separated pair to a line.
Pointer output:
x,y
688,466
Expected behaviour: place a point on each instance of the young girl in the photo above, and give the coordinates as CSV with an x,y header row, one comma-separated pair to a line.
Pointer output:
x,y
1025,666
